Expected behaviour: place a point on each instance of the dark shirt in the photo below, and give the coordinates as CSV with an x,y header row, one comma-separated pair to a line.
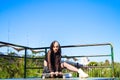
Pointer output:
x,y
53,61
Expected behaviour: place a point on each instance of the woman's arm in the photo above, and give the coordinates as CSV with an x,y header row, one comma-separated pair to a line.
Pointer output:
x,y
49,61
58,63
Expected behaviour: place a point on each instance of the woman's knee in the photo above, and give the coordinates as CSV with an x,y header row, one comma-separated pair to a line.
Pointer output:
x,y
64,64
45,63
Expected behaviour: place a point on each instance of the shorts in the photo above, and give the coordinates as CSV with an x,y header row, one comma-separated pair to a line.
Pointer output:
x,y
46,70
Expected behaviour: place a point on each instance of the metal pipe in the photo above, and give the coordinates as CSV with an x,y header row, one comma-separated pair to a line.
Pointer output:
x,y
25,61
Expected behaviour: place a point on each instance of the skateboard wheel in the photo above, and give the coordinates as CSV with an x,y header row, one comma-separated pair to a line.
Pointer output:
x,y
43,77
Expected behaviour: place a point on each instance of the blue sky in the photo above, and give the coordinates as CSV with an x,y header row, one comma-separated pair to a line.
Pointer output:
x,y
36,23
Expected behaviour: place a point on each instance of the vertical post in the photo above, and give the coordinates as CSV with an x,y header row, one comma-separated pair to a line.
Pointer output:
x,y
112,57
25,62
45,51
77,67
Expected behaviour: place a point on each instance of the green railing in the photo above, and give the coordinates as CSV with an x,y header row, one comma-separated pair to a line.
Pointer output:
x,y
68,46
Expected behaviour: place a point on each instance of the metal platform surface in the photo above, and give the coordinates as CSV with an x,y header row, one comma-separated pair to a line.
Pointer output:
x,y
92,78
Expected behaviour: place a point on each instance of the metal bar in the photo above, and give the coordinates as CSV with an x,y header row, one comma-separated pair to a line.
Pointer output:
x,y
25,61
81,66
11,56
45,50
84,45
20,57
112,58
15,45
97,66
35,58
85,56
34,68
62,56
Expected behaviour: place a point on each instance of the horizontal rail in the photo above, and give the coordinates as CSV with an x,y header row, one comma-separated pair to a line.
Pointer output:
x,y
84,45
11,56
62,56
14,45
19,57
34,67
68,46
81,66
97,67
85,56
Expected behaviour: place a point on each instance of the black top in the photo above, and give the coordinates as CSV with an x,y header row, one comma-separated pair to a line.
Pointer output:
x,y
53,61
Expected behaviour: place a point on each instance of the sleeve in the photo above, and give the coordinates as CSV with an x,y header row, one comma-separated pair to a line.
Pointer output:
x,y
49,61
58,63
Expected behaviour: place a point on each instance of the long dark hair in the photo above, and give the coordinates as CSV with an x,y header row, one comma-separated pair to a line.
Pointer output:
x,y
51,47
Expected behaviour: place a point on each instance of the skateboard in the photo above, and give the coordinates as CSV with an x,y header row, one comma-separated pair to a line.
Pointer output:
x,y
64,75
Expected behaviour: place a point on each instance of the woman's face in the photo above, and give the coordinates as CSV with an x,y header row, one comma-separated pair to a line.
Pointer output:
x,y
55,47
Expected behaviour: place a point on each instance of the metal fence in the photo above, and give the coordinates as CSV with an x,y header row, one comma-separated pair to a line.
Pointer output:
x,y
44,49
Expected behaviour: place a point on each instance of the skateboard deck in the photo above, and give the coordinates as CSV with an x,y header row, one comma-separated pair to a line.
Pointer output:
x,y
64,75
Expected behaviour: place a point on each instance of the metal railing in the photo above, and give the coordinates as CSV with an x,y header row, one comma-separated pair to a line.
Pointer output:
x,y
68,46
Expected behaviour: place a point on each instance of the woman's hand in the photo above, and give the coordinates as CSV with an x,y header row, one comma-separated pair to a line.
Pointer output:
x,y
60,73
52,74
56,73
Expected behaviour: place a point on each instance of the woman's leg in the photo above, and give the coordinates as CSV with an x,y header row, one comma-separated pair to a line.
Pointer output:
x,y
69,67
45,63
46,70
72,68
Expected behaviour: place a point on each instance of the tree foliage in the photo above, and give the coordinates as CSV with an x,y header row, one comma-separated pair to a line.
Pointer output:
x,y
13,67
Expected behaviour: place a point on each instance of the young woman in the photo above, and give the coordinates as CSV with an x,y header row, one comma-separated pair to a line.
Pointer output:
x,y
53,64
